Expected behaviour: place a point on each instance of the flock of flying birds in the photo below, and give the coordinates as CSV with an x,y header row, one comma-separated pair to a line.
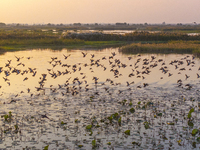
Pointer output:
x,y
73,85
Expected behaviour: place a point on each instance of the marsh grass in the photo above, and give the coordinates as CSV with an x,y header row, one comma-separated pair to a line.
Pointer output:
x,y
20,44
169,47
133,36
23,39
143,42
26,34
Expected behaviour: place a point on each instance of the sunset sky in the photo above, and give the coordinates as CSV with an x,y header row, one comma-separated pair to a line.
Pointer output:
x,y
99,11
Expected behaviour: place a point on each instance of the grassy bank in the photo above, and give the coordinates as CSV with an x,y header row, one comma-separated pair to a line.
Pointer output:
x,y
21,44
169,47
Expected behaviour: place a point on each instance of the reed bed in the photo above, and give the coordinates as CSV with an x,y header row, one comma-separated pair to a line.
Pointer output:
x,y
134,36
169,47
26,34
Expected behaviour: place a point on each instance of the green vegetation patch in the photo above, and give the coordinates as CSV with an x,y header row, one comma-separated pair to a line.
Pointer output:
x,y
169,47
194,132
16,44
127,132
88,127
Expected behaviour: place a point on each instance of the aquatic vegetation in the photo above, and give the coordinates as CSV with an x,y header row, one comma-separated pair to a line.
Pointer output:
x,y
115,116
80,146
120,121
190,113
46,147
77,121
90,133
94,145
194,144
198,139
179,142
7,117
136,143
62,123
194,132
132,110
159,114
123,102
80,113
88,127
190,123
146,125
16,127
127,132
97,126
109,143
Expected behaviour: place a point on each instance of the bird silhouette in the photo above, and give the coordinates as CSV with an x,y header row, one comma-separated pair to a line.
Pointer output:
x,y
198,76
66,56
84,54
186,76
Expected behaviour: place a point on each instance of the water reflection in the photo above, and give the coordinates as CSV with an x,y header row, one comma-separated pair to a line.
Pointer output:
x,y
54,95
119,69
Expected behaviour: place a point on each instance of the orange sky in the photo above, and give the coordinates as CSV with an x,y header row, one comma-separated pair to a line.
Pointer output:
x,y
99,11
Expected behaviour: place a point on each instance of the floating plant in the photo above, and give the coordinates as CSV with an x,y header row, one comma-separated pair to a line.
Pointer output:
x,y
132,110
80,146
127,132
146,125
63,123
190,113
194,132
198,139
46,147
109,143
94,145
88,127
7,117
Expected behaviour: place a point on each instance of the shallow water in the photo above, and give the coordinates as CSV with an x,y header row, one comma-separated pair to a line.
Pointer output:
x,y
71,100
120,32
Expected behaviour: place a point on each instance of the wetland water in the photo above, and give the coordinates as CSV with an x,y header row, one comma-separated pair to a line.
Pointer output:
x,y
91,99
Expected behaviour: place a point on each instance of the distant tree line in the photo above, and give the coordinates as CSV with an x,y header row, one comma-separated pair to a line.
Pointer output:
x,y
2,24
